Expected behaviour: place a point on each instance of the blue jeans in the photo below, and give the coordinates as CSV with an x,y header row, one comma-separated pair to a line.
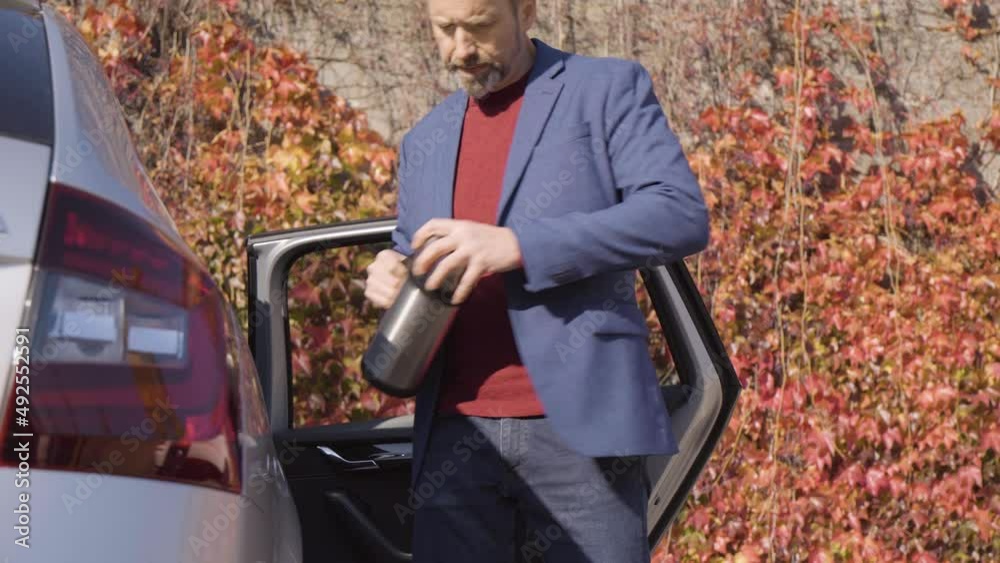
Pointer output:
x,y
506,490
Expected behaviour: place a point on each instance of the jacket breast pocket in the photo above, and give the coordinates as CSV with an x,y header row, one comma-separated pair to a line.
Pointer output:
x,y
563,137
563,176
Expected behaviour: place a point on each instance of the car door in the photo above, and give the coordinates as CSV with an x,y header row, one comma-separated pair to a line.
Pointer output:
x,y
346,449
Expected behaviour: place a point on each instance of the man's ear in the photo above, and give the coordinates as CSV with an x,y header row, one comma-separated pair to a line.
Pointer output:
x,y
527,13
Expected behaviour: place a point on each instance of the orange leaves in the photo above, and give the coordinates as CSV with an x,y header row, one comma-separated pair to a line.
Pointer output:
x,y
939,143
937,397
958,490
289,158
856,288
285,75
968,17
785,77
991,125
758,121
828,159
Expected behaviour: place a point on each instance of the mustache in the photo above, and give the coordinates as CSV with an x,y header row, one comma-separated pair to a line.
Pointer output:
x,y
469,63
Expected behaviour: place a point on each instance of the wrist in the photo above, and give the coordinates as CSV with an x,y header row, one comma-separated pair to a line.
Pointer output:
x,y
516,249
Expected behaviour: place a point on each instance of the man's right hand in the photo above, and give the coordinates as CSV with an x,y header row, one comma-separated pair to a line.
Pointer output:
x,y
386,275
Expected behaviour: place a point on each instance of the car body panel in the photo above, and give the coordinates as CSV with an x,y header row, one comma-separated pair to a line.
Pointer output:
x,y
89,516
22,191
263,477
14,279
26,133
121,518
187,523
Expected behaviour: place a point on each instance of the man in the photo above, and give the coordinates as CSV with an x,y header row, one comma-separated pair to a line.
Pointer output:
x,y
548,178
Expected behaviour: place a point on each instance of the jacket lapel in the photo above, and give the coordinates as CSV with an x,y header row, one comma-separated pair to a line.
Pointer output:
x,y
540,96
454,117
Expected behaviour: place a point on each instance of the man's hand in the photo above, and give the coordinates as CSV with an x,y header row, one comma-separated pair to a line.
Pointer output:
x,y
386,275
480,248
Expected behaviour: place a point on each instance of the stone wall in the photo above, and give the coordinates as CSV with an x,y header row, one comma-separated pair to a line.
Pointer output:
x,y
380,56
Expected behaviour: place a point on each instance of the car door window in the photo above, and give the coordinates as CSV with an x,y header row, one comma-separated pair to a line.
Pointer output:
x,y
330,324
659,348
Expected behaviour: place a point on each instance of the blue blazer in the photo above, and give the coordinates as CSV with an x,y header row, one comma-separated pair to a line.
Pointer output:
x,y
596,185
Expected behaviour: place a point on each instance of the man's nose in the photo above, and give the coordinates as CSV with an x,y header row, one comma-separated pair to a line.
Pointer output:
x,y
465,47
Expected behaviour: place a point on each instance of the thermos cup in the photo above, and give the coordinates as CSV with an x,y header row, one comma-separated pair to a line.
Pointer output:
x,y
410,333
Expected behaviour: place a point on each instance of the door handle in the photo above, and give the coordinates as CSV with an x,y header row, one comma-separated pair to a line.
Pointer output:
x,y
347,464
393,451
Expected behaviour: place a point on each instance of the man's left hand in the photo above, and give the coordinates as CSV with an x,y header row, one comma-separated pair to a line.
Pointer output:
x,y
480,248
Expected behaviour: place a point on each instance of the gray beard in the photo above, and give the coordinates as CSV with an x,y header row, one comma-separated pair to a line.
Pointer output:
x,y
479,87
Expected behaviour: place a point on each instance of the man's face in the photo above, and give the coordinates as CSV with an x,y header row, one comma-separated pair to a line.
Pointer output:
x,y
479,40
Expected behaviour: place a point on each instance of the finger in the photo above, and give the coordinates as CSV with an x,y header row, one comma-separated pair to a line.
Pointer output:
x,y
376,287
450,263
440,227
372,294
375,271
473,272
382,297
384,280
373,289
398,270
431,253
386,265
376,266
384,256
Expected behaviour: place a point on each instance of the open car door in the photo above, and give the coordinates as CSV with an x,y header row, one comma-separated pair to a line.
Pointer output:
x,y
346,449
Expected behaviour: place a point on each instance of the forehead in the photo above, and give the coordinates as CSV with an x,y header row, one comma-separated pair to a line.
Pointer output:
x,y
457,10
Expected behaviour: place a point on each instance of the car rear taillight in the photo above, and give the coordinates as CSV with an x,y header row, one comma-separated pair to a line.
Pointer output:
x,y
131,369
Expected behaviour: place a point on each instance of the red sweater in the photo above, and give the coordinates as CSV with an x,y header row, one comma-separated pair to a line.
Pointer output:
x,y
483,374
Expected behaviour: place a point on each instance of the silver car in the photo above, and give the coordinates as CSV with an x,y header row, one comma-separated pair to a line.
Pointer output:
x,y
140,422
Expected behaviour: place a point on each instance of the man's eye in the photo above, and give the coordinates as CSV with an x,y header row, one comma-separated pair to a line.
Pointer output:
x,y
448,27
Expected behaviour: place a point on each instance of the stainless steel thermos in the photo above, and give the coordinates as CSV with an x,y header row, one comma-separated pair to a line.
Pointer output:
x,y
410,333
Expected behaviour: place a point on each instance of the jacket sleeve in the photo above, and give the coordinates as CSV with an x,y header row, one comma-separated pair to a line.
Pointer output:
x,y
401,235
661,215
